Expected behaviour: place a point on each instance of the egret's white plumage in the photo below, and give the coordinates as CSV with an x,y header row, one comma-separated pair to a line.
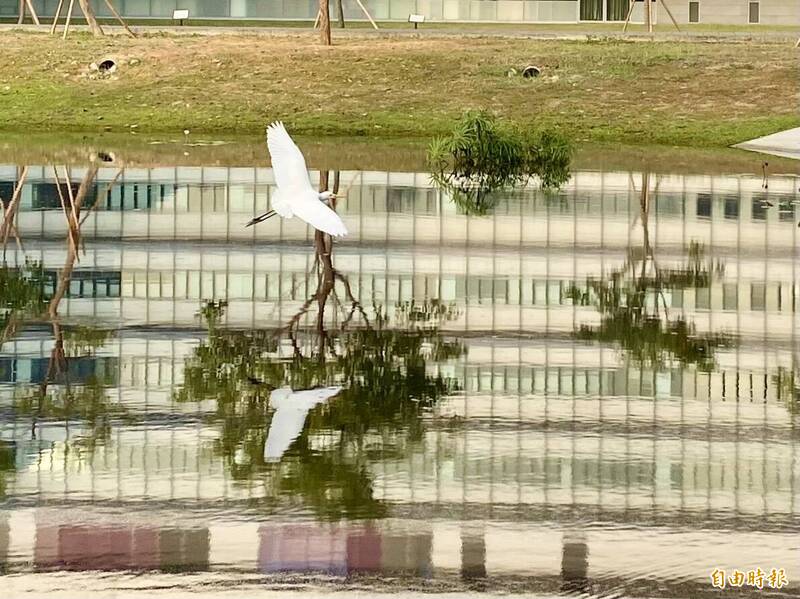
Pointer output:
x,y
291,409
295,195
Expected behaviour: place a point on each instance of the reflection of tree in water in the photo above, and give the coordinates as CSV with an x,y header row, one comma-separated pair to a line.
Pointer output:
x,y
383,370
21,296
787,383
63,393
634,308
7,463
386,390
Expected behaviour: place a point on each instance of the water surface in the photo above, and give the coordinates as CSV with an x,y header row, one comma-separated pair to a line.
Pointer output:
x,y
588,391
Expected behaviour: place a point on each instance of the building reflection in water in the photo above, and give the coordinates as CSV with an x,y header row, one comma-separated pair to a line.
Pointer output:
x,y
623,351
345,549
78,546
473,552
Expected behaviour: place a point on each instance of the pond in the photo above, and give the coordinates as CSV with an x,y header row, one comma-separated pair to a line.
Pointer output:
x,y
591,390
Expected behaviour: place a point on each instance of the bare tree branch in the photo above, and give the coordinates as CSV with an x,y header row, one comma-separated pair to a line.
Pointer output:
x,y
106,191
13,206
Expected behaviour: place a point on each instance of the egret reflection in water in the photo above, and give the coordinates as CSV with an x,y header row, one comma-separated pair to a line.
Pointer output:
x,y
291,410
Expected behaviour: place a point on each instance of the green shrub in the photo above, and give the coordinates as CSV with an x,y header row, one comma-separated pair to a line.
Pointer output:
x,y
481,157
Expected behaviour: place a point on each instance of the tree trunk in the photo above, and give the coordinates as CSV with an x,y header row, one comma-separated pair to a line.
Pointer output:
x,y
324,22
88,12
340,13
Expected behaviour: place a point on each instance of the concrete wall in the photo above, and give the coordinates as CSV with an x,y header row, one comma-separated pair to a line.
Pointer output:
x,y
724,12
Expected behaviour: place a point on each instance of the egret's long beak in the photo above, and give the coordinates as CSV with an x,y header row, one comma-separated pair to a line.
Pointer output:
x,y
263,217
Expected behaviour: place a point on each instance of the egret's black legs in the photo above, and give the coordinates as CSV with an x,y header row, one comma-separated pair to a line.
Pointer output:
x,y
263,217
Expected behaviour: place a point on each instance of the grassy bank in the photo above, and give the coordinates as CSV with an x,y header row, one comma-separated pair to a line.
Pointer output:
x,y
675,93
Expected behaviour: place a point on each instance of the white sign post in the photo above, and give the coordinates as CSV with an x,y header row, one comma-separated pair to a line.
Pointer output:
x,y
416,19
180,14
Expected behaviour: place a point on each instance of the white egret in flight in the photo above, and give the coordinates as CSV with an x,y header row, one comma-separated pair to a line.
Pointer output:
x,y
291,409
295,195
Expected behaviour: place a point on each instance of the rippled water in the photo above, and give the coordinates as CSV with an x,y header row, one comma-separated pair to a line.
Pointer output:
x,y
590,391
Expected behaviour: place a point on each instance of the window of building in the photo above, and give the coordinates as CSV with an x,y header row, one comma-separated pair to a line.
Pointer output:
x,y
732,208
500,288
485,289
473,288
400,199
676,299
45,195
786,210
759,206
703,298
704,205
669,203
755,16
758,297
730,296
616,10
84,284
6,189
694,12
553,293
591,10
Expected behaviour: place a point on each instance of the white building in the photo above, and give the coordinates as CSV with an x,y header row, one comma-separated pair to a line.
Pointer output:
x,y
723,12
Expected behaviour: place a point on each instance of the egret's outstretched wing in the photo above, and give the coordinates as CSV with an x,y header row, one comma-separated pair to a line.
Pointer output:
x,y
286,426
309,398
319,215
291,410
288,164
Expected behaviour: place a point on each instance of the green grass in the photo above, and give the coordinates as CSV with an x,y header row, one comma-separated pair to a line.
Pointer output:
x,y
672,93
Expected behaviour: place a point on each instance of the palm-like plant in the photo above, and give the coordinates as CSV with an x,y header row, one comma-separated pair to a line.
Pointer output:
x,y
481,157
